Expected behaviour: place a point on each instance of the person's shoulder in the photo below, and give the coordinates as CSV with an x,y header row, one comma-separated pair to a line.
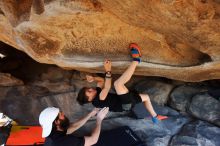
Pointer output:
x,y
74,141
98,89
48,142
96,100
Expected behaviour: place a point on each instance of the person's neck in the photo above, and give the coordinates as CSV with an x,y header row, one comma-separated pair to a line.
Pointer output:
x,y
59,129
91,99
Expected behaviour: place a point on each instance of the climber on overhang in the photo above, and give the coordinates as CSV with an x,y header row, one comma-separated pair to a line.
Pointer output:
x,y
124,99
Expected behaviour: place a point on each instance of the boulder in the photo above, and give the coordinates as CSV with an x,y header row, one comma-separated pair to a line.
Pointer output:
x,y
180,97
140,112
55,87
21,103
158,91
56,74
197,133
205,107
8,80
151,134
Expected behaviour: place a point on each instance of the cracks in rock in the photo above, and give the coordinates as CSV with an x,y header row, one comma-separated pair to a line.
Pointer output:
x,y
85,59
16,11
57,93
205,58
38,6
180,130
20,11
217,16
48,1
97,4
1,12
217,9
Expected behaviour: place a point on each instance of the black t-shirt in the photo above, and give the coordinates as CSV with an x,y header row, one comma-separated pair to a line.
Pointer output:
x,y
60,138
112,101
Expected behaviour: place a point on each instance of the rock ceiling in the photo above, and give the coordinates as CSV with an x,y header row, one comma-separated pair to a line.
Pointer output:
x,y
180,39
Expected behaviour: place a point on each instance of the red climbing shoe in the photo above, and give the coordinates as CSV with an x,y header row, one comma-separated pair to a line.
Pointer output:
x,y
135,52
160,117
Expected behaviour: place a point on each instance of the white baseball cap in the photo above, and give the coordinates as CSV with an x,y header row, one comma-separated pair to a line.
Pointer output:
x,y
46,118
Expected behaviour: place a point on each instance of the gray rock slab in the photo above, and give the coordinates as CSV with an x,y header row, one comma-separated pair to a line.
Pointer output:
x,y
151,134
181,96
158,91
205,107
197,133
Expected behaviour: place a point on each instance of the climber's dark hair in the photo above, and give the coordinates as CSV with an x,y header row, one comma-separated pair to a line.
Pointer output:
x,y
82,98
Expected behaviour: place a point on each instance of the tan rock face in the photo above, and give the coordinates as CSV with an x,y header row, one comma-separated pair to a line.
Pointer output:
x,y
180,39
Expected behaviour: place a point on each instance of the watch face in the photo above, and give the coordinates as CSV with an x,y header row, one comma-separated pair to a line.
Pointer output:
x,y
4,120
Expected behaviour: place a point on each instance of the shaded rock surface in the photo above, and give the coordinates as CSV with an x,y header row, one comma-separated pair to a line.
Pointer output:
x,y
205,107
179,38
139,111
197,133
215,92
158,91
149,133
181,96
8,80
47,85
